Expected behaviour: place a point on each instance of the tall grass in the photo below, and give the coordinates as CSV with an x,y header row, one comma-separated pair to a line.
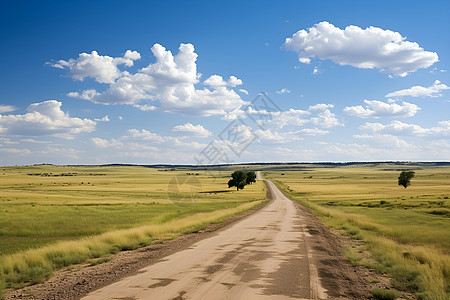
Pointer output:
x,y
36,265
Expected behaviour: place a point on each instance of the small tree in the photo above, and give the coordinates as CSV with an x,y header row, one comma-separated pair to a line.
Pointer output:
x,y
238,180
251,177
405,178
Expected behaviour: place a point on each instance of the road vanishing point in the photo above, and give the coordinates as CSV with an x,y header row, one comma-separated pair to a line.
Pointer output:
x,y
267,255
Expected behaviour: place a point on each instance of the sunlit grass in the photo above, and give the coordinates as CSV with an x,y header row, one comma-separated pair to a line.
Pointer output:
x,y
49,222
406,230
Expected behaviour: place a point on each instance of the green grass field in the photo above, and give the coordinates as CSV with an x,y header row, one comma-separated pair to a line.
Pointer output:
x,y
406,231
55,216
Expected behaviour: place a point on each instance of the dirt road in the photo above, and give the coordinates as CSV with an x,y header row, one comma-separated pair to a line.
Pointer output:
x,y
276,253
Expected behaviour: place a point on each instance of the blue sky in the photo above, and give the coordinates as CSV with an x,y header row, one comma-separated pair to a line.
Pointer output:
x,y
89,82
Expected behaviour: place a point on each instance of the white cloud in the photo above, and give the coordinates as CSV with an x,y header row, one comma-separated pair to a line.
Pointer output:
x,y
283,91
385,140
268,135
421,91
120,118
45,118
104,119
143,143
257,114
196,130
216,81
243,91
85,95
171,80
103,143
145,135
60,151
312,131
320,106
133,55
400,128
377,109
102,68
34,141
290,117
16,151
315,71
145,107
6,108
304,60
7,141
368,48
326,119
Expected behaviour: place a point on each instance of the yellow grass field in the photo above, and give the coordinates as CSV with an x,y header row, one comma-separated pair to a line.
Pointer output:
x,y
406,232
55,216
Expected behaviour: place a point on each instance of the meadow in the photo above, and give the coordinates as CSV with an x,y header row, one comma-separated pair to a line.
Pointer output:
x,y
55,216
404,233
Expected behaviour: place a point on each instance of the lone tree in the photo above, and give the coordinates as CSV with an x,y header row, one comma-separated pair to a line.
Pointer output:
x,y
405,178
251,177
241,178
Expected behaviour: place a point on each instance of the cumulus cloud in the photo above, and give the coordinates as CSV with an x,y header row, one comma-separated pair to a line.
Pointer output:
x,y
378,109
102,68
196,130
243,91
6,108
291,117
171,81
400,128
216,81
368,48
326,119
421,91
45,118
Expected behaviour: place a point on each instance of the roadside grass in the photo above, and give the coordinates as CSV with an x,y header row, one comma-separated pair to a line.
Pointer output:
x,y
406,231
127,208
384,294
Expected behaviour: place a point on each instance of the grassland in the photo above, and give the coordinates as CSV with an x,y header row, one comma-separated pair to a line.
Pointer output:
x,y
406,232
55,216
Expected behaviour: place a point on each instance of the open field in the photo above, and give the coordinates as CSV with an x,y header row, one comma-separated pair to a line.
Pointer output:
x,y
69,215
406,232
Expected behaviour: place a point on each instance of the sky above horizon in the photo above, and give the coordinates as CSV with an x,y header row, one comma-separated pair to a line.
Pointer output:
x,y
204,82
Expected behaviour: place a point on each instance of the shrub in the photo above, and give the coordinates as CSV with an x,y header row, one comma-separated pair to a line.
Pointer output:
x,y
383,294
